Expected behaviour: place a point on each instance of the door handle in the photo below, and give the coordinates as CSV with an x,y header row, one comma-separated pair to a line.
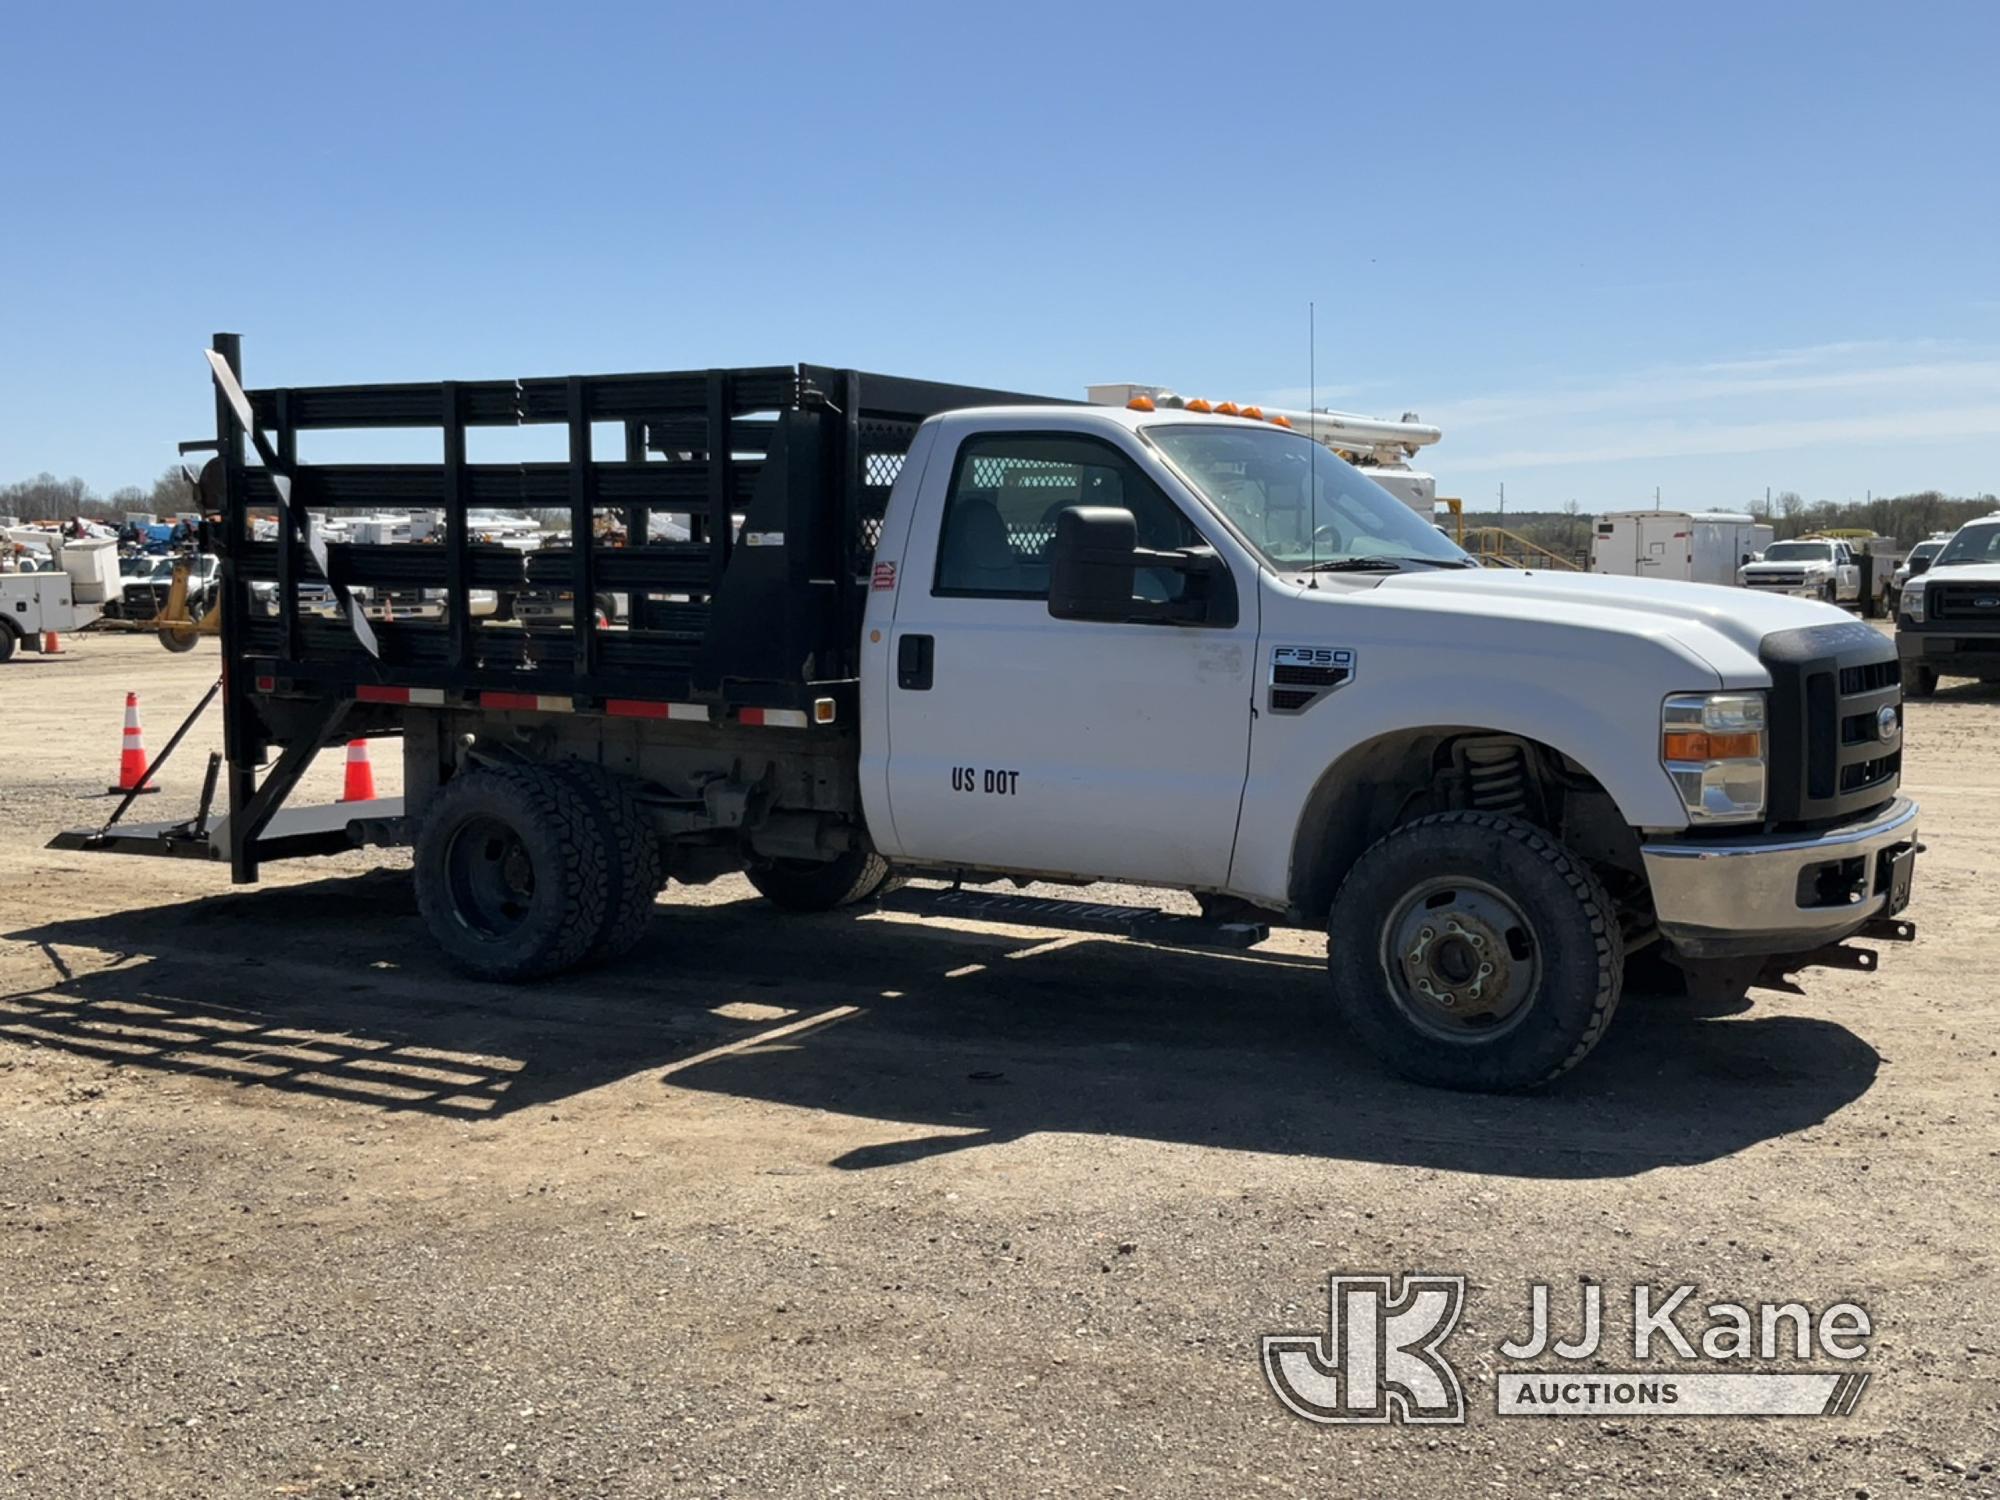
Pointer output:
x,y
915,655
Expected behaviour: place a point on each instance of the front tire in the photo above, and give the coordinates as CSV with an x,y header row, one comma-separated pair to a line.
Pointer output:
x,y
8,641
812,885
513,873
1921,682
1472,951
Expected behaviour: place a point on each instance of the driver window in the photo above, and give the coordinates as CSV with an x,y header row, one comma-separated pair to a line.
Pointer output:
x,y
1007,490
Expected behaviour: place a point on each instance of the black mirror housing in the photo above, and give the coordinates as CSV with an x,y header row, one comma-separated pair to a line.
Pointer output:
x,y
1919,565
1092,560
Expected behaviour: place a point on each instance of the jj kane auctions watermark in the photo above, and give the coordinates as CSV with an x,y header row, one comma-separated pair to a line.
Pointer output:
x,y
1382,1356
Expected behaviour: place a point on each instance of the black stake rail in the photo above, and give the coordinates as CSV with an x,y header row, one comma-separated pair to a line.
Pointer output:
x,y
797,458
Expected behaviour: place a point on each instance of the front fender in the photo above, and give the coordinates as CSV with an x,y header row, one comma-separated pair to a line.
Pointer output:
x,y
1612,738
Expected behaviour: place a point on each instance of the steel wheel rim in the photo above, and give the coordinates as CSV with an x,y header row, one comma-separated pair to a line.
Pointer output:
x,y
1462,961
491,877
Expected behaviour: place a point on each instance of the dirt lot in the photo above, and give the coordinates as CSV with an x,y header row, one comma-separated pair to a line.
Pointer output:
x,y
856,1205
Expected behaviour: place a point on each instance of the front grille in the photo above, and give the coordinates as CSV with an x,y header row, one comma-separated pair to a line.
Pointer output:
x,y
1966,601
1829,684
1859,775
1775,580
1872,676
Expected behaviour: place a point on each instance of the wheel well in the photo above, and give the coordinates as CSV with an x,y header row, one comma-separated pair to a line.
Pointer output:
x,y
1385,782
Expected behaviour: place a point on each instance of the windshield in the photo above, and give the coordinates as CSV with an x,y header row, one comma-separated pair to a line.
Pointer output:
x,y
1974,544
1296,502
1797,552
1925,549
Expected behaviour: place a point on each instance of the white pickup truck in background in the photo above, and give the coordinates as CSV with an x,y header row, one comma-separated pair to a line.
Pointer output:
x,y
1811,569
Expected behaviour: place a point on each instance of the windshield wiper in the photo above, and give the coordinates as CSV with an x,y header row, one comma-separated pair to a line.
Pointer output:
x,y
1380,563
1355,565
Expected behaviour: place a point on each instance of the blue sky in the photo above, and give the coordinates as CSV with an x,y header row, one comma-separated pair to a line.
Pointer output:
x,y
1606,247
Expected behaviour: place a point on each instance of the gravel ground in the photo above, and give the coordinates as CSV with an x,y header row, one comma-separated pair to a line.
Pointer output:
x,y
854,1204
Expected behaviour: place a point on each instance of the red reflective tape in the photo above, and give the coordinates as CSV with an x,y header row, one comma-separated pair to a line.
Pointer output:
x,y
267,684
508,700
368,692
633,708
750,716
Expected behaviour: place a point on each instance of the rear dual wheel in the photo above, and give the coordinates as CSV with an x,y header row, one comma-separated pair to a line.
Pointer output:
x,y
524,871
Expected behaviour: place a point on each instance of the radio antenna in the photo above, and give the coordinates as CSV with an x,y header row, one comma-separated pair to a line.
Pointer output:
x,y
1312,459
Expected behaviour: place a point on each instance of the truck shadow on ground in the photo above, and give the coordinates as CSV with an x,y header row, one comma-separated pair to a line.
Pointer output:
x,y
332,989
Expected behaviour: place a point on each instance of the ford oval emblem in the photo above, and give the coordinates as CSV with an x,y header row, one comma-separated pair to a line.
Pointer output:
x,y
1887,722
1987,602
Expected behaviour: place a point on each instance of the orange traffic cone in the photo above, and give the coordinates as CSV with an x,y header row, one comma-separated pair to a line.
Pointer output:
x,y
360,774
52,644
132,757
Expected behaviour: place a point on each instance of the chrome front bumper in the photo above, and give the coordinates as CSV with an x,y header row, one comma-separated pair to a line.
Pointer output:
x,y
1789,590
1735,897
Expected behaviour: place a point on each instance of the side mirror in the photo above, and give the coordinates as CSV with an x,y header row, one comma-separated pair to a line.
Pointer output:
x,y
1094,561
1920,565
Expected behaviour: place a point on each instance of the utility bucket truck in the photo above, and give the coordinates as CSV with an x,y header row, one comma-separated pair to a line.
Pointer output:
x,y
1380,448
980,637
67,596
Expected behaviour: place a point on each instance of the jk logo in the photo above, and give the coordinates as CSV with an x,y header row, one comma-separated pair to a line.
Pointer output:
x,y
1378,1361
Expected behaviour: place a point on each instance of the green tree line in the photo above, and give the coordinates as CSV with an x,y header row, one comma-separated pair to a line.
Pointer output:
x,y
47,498
1907,518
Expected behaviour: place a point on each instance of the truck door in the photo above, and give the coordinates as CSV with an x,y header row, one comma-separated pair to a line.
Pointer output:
x,y
1018,741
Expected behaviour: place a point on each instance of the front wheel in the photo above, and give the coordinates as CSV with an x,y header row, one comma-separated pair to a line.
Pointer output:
x,y
1472,951
813,885
1920,682
8,641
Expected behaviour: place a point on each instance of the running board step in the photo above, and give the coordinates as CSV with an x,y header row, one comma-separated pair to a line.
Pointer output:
x,y
1146,924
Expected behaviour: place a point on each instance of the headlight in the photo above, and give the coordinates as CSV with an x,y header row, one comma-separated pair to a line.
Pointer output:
x,y
1712,745
1912,602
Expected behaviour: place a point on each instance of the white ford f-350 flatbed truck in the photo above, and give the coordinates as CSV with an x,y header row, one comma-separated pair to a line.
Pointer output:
x,y
967,635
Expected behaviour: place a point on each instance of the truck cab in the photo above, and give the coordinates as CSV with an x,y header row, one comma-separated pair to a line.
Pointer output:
x,y
1203,652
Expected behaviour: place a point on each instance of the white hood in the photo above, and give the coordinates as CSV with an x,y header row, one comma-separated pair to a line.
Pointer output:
x,y
1962,573
1722,626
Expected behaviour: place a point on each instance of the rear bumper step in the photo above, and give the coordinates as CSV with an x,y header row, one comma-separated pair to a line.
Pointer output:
x,y
293,832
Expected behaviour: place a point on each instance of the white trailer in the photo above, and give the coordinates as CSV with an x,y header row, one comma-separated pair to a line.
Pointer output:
x,y
1690,546
68,596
